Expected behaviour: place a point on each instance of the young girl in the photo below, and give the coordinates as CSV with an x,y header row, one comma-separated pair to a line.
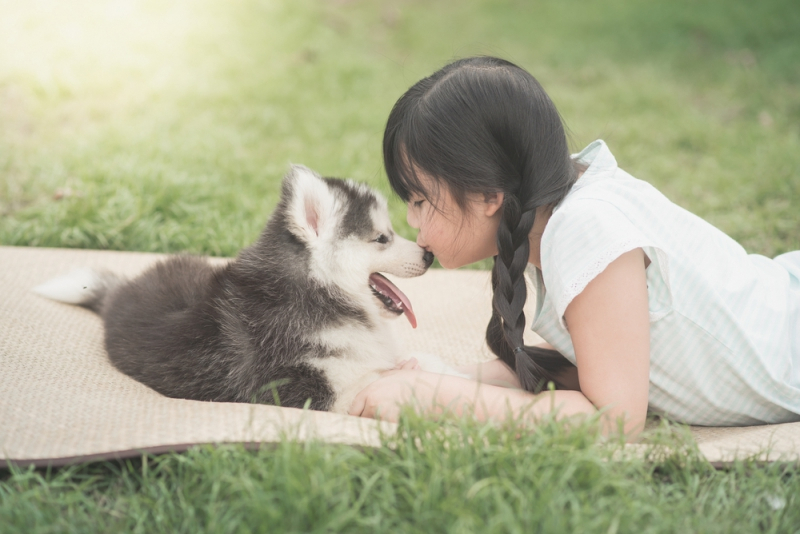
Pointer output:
x,y
643,305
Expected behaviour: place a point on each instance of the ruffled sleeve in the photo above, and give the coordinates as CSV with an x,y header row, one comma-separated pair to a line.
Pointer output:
x,y
580,240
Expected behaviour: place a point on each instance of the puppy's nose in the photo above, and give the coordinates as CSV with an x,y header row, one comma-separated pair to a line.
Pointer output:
x,y
428,258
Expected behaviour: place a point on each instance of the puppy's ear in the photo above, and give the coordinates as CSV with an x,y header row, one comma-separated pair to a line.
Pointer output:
x,y
310,203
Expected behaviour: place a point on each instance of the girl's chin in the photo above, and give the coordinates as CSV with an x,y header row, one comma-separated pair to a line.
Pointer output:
x,y
448,264
455,263
445,264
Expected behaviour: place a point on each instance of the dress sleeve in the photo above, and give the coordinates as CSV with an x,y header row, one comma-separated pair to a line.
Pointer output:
x,y
580,240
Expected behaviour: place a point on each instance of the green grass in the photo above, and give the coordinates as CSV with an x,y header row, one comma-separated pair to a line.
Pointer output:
x,y
171,125
431,477
160,126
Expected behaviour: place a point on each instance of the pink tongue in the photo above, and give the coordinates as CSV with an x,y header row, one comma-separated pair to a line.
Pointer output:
x,y
397,296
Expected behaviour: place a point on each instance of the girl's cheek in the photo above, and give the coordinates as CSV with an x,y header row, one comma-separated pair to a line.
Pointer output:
x,y
412,217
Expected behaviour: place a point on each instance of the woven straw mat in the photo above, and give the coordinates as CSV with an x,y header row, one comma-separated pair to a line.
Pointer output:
x,y
62,402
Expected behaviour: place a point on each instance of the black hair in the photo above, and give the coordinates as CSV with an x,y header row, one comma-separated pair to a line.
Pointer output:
x,y
485,125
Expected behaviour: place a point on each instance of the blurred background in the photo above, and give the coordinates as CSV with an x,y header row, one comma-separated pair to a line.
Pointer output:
x,y
167,125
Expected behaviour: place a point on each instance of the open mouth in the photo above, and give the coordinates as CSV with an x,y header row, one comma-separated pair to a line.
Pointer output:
x,y
391,297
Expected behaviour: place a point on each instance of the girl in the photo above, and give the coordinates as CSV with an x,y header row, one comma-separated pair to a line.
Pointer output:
x,y
642,304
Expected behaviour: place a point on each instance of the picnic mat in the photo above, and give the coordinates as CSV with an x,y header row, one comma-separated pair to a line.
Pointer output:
x,y
62,402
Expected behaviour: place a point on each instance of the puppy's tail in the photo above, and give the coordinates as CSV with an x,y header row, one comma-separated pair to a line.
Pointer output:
x,y
83,287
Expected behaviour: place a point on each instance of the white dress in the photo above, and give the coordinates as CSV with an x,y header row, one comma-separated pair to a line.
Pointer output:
x,y
724,325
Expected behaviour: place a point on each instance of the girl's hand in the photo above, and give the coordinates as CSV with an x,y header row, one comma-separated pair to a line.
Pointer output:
x,y
383,398
408,365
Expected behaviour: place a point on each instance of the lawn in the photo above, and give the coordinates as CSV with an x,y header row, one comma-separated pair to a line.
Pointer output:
x,y
431,477
167,126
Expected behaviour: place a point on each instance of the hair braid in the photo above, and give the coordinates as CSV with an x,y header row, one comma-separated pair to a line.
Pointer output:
x,y
504,334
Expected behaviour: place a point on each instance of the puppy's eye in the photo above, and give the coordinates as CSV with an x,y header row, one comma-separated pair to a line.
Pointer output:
x,y
382,239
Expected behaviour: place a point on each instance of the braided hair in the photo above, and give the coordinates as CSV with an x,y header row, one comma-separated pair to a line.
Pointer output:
x,y
485,125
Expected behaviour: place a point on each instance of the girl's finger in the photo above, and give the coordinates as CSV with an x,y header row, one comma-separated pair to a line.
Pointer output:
x,y
358,405
409,365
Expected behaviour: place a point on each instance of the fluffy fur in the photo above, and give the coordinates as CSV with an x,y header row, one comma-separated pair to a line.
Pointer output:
x,y
294,317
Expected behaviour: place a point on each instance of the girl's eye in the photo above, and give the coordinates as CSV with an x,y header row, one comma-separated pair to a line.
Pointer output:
x,y
382,239
418,203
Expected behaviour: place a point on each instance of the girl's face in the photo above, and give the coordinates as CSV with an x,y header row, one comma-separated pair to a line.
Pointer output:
x,y
456,237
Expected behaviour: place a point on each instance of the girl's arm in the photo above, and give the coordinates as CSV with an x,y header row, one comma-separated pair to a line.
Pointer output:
x,y
610,330
492,372
609,324
497,373
434,393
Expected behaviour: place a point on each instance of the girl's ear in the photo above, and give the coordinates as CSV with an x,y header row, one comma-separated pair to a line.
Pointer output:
x,y
493,202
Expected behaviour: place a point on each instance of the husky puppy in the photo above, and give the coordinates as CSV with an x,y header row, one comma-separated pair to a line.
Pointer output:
x,y
301,314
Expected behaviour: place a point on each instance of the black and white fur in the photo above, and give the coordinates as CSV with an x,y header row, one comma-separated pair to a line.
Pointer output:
x,y
293,314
